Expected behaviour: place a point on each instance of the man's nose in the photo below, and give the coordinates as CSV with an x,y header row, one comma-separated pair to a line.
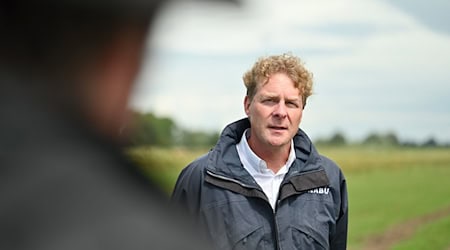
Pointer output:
x,y
280,110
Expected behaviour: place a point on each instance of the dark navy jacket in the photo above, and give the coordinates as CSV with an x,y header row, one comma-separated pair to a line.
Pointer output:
x,y
311,211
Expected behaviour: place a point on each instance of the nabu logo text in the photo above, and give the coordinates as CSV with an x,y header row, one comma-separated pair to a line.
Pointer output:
x,y
323,190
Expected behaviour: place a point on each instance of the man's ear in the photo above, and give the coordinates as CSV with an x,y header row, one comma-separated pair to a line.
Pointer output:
x,y
247,103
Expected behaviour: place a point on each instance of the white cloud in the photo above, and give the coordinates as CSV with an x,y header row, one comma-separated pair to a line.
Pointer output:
x,y
374,67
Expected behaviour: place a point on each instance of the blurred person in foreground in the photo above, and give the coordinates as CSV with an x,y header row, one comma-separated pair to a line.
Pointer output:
x,y
66,71
264,185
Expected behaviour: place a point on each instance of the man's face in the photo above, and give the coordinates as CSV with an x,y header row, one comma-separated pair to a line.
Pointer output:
x,y
275,113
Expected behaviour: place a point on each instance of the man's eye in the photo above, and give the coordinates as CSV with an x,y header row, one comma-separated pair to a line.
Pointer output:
x,y
292,104
269,101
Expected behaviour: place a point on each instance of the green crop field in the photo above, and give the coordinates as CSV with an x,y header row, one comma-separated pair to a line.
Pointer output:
x,y
399,198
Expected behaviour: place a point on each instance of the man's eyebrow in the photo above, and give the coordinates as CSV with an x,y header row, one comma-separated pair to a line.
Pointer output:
x,y
269,95
293,99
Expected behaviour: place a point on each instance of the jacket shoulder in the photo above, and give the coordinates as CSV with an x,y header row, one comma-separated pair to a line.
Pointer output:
x,y
196,167
189,184
332,169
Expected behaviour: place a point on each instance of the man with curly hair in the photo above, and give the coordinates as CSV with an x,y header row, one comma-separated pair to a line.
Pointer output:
x,y
264,185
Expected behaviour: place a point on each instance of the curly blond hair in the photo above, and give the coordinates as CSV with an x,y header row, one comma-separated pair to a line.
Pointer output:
x,y
286,63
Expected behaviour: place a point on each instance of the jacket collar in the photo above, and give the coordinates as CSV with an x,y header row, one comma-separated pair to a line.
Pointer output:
x,y
224,160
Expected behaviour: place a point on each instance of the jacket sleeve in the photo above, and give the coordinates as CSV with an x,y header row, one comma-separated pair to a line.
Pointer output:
x,y
187,195
187,191
339,240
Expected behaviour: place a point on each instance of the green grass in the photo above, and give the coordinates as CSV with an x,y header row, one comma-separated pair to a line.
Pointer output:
x,y
429,237
163,165
386,186
382,198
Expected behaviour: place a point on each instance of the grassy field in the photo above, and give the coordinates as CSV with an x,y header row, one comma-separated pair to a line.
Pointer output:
x,y
426,237
388,187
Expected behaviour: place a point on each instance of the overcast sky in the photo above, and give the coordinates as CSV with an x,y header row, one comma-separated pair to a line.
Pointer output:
x,y
379,66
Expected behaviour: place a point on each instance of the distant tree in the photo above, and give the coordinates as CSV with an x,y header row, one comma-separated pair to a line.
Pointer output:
x,y
337,139
388,139
391,139
430,142
372,139
411,144
197,139
152,130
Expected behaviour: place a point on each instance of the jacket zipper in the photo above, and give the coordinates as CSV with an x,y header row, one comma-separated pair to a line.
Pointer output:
x,y
275,225
278,247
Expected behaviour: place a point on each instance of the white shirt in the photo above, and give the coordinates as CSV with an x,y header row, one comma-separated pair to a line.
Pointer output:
x,y
268,180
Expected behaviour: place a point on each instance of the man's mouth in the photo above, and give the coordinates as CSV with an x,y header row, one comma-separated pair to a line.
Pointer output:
x,y
277,127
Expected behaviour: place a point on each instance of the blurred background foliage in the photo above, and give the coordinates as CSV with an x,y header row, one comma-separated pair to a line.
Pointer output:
x,y
152,130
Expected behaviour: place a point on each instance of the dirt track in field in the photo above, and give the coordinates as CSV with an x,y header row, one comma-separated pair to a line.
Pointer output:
x,y
402,231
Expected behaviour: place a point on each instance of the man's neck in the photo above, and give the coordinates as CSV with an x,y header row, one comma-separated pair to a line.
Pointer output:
x,y
275,157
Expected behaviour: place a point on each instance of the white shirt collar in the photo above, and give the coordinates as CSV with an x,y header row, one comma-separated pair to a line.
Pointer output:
x,y
253,163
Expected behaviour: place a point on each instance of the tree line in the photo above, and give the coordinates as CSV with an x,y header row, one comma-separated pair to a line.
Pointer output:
x,y
152,130
388,139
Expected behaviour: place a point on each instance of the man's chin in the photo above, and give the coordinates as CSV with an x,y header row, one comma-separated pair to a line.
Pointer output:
x,y
278,142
